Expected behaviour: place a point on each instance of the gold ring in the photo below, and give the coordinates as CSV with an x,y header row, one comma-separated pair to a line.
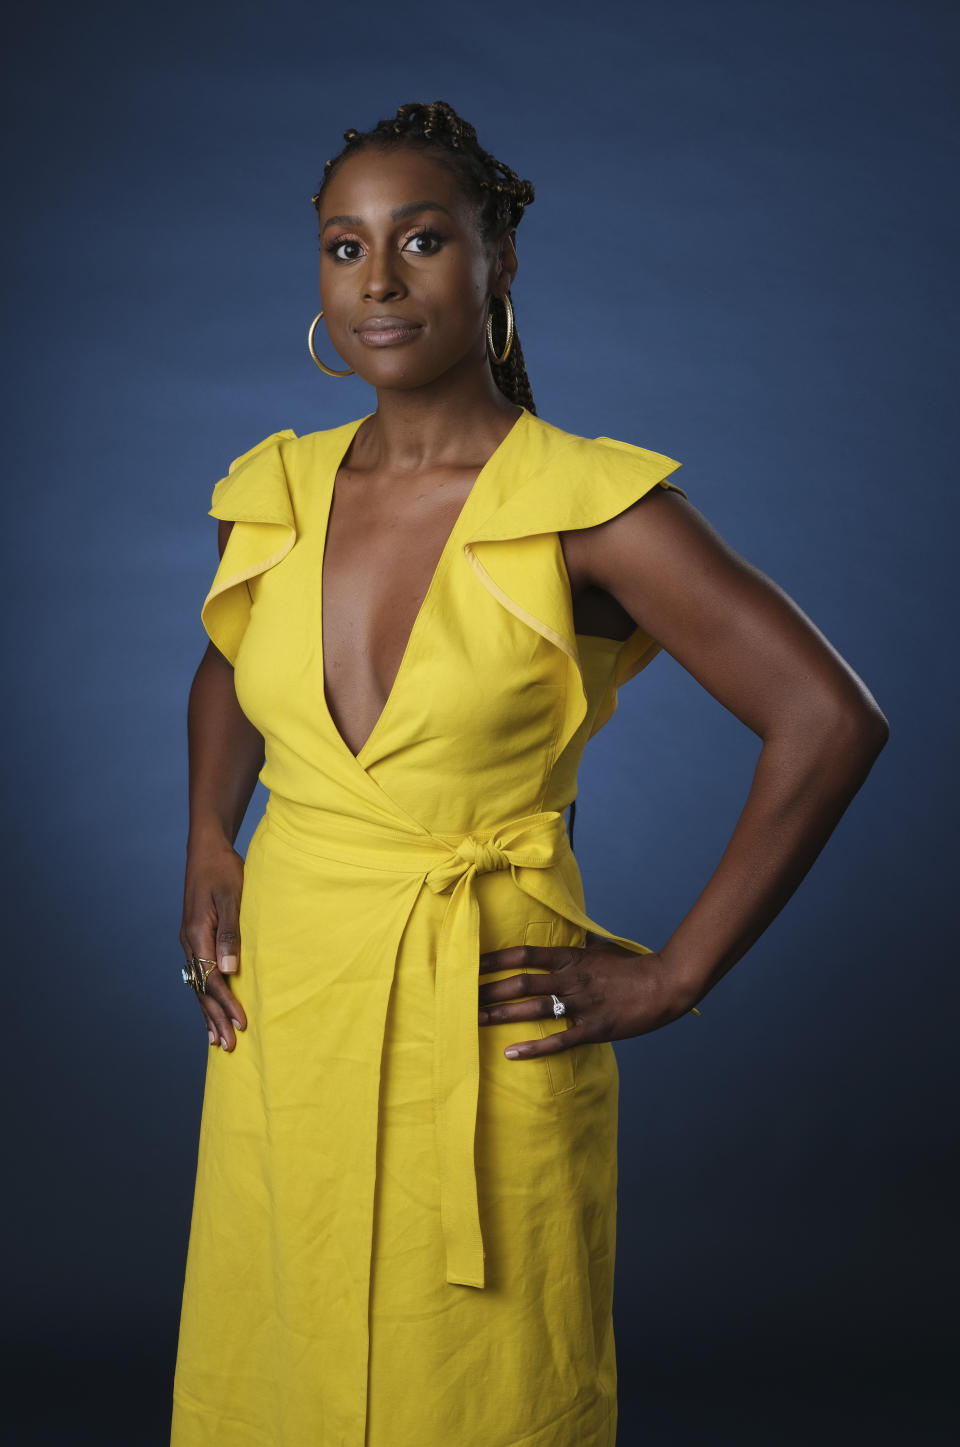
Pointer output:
x,y
194,976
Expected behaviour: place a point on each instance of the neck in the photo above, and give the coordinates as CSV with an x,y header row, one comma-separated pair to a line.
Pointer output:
x,y
447,423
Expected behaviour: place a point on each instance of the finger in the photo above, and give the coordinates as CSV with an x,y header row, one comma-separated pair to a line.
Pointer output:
x,y
541,1009
218,986
215,1010
515,986
227,1009
196,949
517,957
549,1045
228,933
217,1016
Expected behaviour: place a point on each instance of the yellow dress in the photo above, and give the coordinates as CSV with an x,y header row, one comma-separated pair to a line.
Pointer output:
x,y
401,1238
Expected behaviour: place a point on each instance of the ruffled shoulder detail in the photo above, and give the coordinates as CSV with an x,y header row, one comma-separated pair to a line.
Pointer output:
x,y
580,482
574,482
255,496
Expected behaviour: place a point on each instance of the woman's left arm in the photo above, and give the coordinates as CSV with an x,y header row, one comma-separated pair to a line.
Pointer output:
x,y
758,654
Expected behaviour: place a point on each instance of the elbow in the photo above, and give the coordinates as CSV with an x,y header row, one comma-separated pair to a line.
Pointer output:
x,y
865,723
877,730
833,723
853,728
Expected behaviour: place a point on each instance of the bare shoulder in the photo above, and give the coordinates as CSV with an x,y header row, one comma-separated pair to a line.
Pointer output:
x,y
592,553
661,550
724,620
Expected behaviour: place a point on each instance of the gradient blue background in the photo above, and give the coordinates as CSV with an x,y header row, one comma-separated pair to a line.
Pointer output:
x,y
739,255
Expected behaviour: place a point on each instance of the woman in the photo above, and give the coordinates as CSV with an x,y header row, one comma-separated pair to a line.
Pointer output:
x,y
404,1222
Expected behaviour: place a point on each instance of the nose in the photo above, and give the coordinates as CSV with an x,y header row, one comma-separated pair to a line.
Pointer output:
x,y
382,280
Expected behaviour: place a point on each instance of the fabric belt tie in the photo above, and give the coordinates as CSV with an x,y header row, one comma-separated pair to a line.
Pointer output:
x,y
529,847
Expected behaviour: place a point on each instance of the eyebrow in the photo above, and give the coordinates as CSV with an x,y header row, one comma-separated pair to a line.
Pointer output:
x,y
397,214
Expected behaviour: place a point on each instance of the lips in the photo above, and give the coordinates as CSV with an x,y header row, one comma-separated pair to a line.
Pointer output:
x,y
387,324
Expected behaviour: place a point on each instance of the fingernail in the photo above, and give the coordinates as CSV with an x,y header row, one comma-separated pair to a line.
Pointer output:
x,y
228,964
512,1054
223,1041
236,1022
212,1037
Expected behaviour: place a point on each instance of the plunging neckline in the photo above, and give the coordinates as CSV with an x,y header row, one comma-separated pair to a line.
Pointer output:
x,y
427,597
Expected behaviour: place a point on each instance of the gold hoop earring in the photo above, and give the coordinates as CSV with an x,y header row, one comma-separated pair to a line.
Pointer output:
x,y
508,308
329,370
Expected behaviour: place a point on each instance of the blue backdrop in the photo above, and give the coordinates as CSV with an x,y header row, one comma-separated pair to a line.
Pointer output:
x,y
739,255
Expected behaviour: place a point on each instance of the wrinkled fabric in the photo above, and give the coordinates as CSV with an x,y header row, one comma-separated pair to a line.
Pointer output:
x,y
398,1235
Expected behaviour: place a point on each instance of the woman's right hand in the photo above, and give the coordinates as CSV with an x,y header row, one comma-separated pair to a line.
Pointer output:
x,y
211,930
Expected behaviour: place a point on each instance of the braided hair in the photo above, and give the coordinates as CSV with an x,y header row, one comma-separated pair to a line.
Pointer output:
x,y
498,194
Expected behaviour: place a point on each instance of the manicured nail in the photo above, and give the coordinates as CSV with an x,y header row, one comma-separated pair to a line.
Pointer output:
x,y
512,1054
236,1022
223,1041
228,964
213,1037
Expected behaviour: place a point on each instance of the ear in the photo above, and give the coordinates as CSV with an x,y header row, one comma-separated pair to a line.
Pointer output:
x,y
507,260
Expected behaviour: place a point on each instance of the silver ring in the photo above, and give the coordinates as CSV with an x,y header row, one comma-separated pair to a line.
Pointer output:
x,y
559,1008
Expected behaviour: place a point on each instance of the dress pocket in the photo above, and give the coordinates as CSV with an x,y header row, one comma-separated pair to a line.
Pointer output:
x,y
561,1067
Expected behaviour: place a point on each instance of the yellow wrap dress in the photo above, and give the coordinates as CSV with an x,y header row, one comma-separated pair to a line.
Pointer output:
x,y
400,1237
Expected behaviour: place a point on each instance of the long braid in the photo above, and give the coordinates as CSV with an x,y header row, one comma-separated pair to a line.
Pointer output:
x,y
499,194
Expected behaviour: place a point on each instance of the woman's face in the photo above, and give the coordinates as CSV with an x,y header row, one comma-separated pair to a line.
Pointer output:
x,y
399,240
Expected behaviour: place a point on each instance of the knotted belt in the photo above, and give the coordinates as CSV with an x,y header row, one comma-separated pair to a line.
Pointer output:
x,y
530,847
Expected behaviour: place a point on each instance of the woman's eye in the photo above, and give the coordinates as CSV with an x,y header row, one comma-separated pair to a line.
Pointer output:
x,y
335,246
425,235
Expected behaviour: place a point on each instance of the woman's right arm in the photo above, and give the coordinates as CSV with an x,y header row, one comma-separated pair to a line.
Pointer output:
x,y
225,758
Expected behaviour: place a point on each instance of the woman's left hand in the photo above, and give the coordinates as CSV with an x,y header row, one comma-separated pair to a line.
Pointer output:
x,y
610,993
